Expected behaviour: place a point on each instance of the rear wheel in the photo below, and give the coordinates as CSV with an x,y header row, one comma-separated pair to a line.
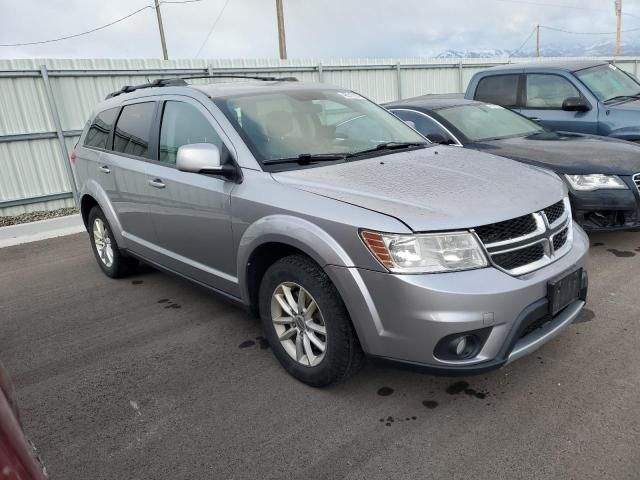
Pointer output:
x,y
112,262
306,322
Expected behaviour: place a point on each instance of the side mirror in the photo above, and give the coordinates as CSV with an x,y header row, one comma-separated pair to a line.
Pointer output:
x,y
575,104
199,158
437,138
410,123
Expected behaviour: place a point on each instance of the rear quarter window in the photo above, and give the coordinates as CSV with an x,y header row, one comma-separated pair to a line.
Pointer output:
x,y
100,129
498,89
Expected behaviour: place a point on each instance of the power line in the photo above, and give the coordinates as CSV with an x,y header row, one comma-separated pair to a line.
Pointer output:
x,y
77,34
523,43
588,33
215,22
102,27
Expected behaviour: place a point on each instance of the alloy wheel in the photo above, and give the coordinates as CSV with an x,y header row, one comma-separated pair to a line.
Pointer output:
x,y
102,241
299,324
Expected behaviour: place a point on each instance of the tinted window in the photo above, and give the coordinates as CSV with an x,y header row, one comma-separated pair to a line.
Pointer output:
x,y
133,130
183,124
424,124
100,129
500,89
548,91
483,122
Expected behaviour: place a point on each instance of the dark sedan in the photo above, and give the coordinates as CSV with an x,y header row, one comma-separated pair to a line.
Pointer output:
x,y
603,174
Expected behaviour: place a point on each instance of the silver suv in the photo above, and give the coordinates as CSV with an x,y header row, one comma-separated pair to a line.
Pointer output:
x,y
345,230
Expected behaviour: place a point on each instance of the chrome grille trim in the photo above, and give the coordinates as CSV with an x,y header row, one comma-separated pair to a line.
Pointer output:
x,y
636,180
545,234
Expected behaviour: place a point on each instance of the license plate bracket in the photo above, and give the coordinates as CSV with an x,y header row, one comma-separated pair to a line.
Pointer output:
x,y
564,290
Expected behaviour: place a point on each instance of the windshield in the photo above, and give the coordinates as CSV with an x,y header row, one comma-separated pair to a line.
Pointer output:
x,y
290,124
608,82
485,121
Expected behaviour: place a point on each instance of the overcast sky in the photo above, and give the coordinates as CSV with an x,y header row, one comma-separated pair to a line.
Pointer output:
x,y
314,28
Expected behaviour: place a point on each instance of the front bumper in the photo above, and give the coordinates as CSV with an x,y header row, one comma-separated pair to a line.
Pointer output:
x,y
607,210
401,318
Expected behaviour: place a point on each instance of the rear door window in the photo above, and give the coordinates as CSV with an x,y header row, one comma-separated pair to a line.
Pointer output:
x,y
100,129
499,89
548,91
183,124
133,130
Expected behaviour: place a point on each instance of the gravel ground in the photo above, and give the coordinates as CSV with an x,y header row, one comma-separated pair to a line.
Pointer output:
x,y
35,216
152,378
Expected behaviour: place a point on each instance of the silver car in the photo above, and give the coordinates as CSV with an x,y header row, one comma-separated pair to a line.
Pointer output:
x,y
346,231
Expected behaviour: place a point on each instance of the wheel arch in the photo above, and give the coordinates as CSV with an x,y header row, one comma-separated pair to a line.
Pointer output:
x,y
93,194
275,237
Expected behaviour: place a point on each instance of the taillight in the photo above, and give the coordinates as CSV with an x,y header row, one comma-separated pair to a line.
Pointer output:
x,y
74,157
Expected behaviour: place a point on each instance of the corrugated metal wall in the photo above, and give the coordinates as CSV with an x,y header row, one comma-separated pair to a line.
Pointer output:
x,y
33,166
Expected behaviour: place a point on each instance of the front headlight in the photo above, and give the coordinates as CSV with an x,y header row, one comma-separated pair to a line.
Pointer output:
x,y
426,253
595,181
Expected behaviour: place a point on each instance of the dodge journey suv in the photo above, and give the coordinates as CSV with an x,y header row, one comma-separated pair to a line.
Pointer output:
x,y
346,238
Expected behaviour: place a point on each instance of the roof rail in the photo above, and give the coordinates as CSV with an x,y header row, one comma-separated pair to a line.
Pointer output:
x,y
180,82
161,82
248,77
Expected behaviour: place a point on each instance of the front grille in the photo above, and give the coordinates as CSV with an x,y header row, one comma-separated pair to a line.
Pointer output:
x,y
519,258
554,212
560,239
501,231
529,242
636,180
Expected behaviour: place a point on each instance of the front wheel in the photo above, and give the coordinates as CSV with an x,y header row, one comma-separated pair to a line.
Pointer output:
x,y
112,262
306,322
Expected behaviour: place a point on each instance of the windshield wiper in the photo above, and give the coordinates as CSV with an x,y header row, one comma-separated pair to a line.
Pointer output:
x,y
387,146
307,158
623,97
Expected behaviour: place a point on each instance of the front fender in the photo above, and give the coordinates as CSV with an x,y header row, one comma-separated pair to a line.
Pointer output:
x,y
294,231
95,191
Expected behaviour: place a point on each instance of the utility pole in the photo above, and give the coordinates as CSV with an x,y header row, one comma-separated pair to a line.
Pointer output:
x,y
618,24
537,40
164,44
282,42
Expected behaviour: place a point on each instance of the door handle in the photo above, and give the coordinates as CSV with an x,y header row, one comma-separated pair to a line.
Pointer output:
x,y
535,119
105,169
156,183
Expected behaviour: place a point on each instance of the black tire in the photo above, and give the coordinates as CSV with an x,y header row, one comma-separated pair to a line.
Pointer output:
x,y
343,355
121,265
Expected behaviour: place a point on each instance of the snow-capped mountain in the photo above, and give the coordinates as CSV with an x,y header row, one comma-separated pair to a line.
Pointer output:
x,y
602,49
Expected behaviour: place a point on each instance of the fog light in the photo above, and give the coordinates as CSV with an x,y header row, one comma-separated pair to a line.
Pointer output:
x,y
463,346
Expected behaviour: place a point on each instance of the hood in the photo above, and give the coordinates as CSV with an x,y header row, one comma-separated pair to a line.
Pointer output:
x,y
569,153
632,106
437,188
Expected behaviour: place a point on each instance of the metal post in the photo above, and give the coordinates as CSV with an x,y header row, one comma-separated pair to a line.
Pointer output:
x,y
399,80
460,77
282,42
635,68
537,40
162,40
56,121
320,73
210,70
